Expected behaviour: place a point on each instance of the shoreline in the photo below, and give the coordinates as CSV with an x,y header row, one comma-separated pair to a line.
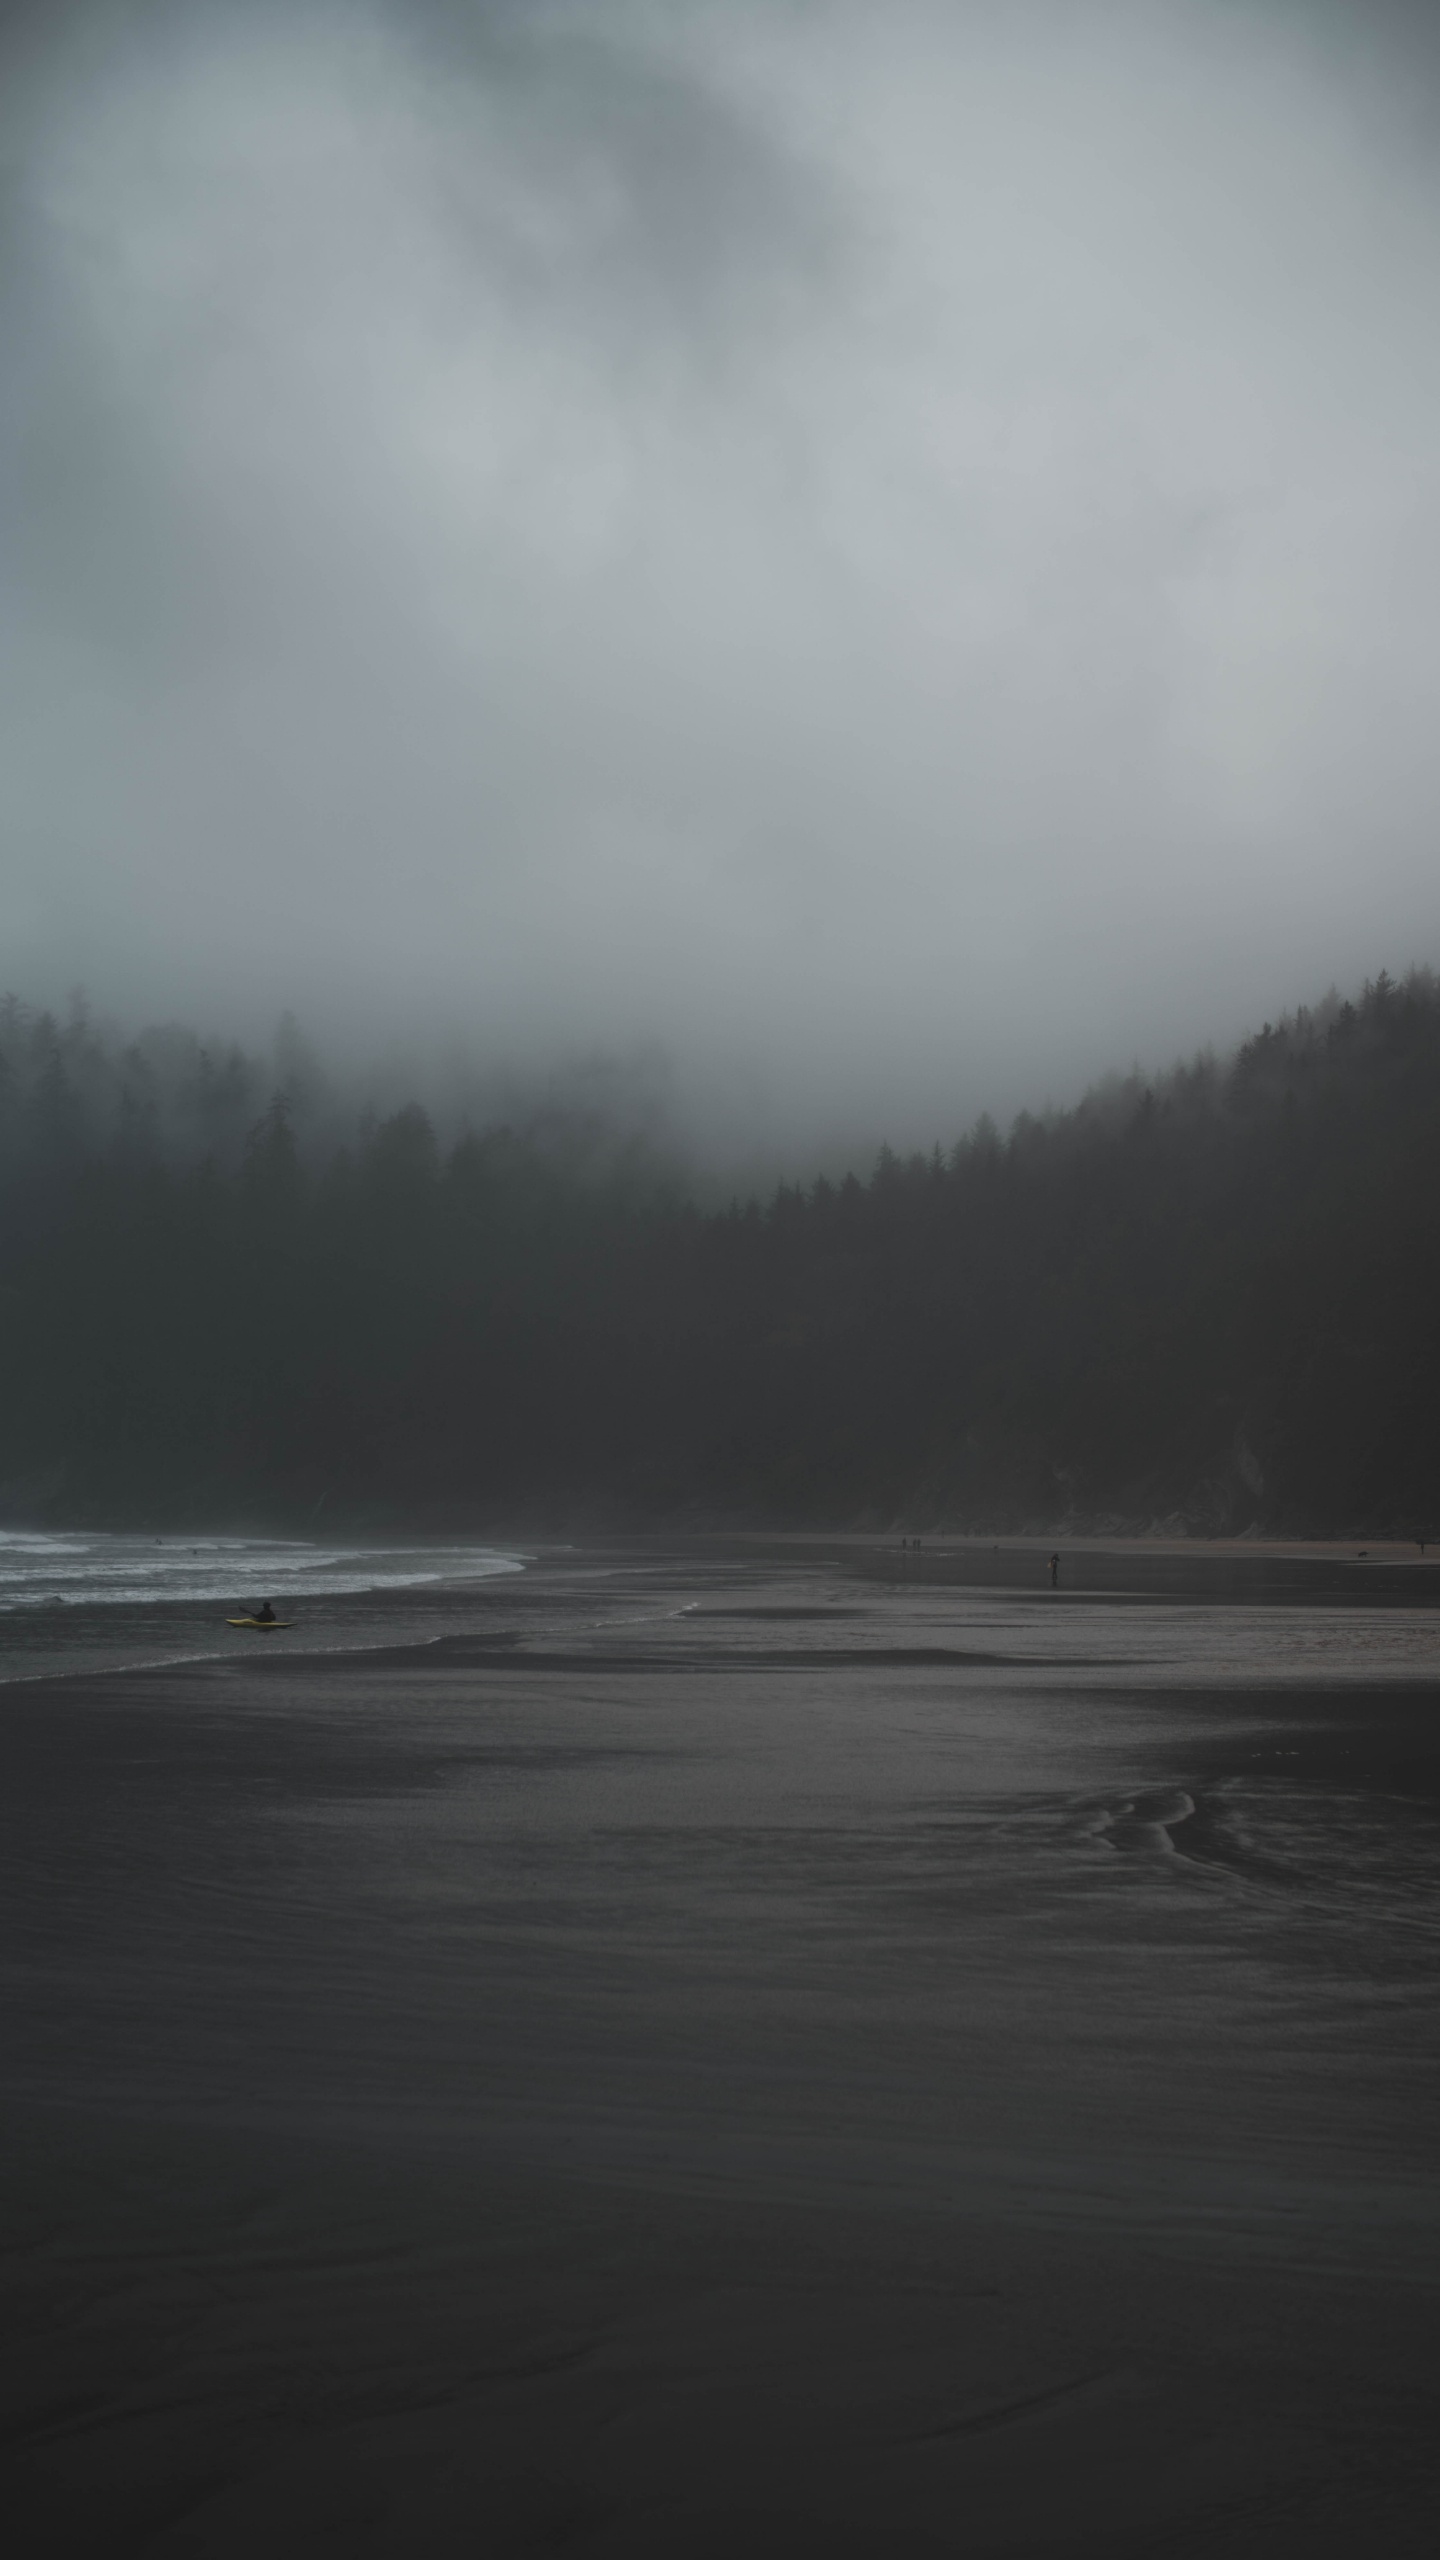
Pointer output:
x,y
1327,1576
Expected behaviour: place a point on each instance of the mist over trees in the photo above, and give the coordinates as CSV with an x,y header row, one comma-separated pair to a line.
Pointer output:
x,y
1202,1301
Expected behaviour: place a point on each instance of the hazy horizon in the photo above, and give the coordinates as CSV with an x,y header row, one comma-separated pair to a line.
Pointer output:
x,y
884,560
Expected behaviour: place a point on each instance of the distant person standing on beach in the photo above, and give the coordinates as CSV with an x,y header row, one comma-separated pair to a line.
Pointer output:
x,y
1054,1573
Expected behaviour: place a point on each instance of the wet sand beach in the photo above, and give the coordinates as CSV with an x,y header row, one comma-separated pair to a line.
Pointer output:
x,y
756,2046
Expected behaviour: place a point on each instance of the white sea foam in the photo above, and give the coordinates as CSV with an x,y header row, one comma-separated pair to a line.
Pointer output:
x,y
92,1570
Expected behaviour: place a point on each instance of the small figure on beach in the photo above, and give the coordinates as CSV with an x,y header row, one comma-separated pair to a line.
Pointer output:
x,y
264,1615
1054,1573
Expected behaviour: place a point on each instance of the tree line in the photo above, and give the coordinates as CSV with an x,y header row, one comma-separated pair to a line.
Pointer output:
x,y
1204,1300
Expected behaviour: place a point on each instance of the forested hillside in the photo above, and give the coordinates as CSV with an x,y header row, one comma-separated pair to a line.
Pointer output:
x,y
1211,1299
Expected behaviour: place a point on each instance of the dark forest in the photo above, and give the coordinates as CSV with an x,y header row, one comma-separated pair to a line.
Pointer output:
x,y
1204,1302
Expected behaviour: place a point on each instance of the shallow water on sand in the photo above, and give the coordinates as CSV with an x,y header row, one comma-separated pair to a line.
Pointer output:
x,y
743,1914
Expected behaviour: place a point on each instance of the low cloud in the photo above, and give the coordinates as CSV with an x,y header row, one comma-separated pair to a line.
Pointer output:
x,y
892,554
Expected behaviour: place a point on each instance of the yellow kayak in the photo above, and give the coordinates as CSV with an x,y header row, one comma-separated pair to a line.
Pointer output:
x,y
262,1625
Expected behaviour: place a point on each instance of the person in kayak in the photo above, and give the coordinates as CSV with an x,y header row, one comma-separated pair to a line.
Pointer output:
x,y
264,1615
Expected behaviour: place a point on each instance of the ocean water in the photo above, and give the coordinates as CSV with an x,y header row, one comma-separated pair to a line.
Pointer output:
x,y
77,1600
1044,1982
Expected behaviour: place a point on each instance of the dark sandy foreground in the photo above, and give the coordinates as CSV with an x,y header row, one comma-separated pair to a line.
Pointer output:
x,y
222,2351
741,2058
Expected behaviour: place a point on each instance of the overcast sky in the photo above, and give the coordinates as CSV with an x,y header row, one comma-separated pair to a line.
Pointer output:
x,y
891,550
